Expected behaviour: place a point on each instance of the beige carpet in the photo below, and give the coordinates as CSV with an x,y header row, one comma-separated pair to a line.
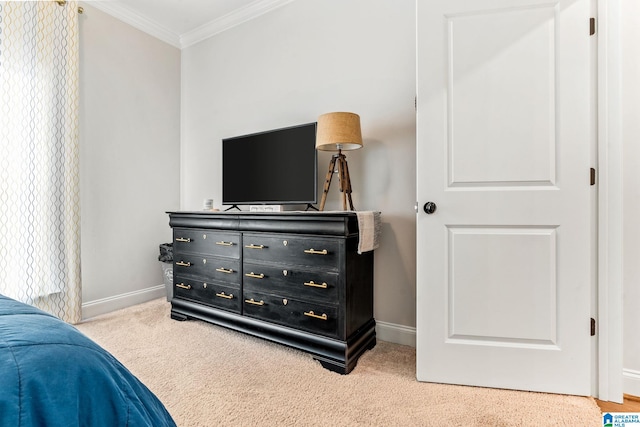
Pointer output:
x,y
210,376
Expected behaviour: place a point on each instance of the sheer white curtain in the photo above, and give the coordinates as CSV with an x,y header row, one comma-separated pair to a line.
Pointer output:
x,y
39,171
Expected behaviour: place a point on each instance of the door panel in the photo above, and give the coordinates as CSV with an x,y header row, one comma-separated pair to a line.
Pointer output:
x,y
504,263
491,74
517,270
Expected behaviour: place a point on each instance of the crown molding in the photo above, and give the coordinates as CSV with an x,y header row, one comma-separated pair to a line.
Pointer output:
x,y
138,21
230,20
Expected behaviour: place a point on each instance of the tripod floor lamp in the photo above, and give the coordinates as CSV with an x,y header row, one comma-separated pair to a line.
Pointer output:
x,y
337,132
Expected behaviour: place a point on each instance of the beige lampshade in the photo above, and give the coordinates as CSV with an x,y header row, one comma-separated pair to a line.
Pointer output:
x,y
338,131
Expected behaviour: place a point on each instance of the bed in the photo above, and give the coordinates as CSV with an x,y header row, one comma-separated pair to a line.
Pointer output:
x,y
53,375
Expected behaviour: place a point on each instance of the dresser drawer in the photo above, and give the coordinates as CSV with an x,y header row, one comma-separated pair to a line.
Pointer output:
x,y
213,294
288,250
320,319
291,281
207,267
224,244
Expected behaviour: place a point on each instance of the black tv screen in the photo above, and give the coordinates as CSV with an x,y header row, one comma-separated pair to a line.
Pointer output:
x,y
274,167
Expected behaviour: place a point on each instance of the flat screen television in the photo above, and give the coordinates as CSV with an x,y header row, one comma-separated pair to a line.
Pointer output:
x,y
274,167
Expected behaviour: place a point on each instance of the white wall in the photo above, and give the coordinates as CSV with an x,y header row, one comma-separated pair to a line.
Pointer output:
x,y
630,69
291,65
129,151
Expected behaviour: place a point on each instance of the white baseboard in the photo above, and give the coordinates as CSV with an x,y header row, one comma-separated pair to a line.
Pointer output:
x,y
117,302
397,334
631,382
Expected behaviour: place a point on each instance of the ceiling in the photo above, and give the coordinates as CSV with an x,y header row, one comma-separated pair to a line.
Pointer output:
x,y
185,22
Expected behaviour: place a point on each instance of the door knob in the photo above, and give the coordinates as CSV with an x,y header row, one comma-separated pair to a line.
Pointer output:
x,y
429,207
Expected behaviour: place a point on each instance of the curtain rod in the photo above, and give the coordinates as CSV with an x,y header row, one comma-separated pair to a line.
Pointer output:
x,y
63,2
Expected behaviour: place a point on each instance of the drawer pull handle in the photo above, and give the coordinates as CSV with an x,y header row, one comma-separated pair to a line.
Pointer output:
x,y
222,243
315,316
183,286
316,285
224,270
252,246
255,276
182,239
183,264
225,296
252,301
314,252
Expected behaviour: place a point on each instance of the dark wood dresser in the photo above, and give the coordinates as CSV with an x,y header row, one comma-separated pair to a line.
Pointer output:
x,y
290,277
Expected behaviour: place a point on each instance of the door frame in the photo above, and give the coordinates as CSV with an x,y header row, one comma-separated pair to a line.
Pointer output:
x,y
610,231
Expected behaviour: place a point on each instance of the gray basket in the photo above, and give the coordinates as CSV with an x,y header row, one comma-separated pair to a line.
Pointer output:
x,y
167,275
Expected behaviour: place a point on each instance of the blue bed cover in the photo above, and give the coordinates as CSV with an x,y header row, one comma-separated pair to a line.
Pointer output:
x,y
53,375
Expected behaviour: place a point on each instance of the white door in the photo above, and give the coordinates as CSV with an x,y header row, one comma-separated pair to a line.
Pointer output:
x,y
503,151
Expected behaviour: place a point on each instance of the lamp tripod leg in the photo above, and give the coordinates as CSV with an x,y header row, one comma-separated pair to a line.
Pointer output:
x,y
345,180
327,181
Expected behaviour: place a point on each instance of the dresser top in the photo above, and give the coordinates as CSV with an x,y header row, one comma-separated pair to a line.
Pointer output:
x,y
282,213
333,223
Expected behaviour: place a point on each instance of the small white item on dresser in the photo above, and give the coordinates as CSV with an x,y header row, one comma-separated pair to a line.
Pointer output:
x,y
265,208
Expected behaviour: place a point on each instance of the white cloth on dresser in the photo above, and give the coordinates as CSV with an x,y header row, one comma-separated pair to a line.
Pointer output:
x,y
369,227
